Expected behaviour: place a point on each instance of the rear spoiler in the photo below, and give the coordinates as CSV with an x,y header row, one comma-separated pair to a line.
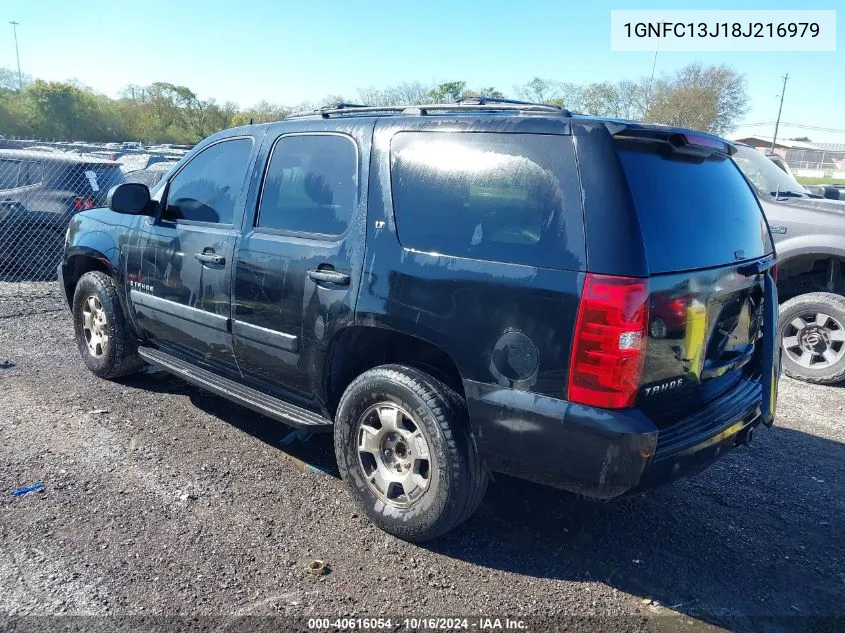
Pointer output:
x,y
679,139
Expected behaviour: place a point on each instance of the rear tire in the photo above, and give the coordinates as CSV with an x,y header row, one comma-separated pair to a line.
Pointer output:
x,y
108,347
812,330
404,448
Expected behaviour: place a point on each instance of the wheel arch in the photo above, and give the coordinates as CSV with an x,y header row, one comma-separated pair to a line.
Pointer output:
x,y
82,260
357,348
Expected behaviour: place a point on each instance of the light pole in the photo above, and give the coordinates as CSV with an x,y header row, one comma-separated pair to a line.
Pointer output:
x,y
17,54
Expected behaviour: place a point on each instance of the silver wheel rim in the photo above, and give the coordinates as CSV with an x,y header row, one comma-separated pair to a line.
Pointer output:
x,y
94,326
394,454
814,340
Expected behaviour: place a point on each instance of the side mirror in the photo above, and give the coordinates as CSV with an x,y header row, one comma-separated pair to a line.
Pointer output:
x,y
131,198
831,193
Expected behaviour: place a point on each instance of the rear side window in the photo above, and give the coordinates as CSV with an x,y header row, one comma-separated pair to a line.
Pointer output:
x,y
32,173
92,180
311,185
502,197
207,188
695,212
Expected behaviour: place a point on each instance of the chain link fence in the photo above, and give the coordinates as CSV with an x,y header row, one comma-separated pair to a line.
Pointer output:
x,y
42,187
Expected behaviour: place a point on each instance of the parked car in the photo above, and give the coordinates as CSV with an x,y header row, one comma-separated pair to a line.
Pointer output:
x,y
133,162
43,148
151,175
132,145
39,192
451,290
809,233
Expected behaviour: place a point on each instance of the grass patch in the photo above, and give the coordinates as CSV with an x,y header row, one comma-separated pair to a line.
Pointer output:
x,y
804,180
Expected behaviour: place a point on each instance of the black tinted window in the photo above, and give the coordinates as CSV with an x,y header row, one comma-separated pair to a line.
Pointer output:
x,y
311,185
209,185
93,180
504,197
9,174
694,212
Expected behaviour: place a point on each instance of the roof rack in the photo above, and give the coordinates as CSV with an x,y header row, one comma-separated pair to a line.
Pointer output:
x,y
470,104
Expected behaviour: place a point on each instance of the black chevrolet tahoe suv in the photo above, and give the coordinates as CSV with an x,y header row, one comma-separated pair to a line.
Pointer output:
x,y
453,290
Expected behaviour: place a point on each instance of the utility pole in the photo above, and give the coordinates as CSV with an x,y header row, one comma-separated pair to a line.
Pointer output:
x,y
651,81
17,54
777,123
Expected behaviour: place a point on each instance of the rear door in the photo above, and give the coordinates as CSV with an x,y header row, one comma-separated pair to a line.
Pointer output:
x,y
180,270
707,246
298,264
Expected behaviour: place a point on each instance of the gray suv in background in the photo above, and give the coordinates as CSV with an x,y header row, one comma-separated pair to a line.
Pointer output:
x,y
809,234
39,193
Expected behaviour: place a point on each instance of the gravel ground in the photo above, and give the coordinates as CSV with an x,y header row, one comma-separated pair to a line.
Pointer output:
x,y
162,499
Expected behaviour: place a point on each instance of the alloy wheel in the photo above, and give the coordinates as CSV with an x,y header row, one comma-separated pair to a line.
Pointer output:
x,y
394,454
94,326
814,340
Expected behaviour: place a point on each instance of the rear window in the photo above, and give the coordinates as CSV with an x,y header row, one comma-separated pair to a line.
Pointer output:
x,y
93,180
695,212
502,197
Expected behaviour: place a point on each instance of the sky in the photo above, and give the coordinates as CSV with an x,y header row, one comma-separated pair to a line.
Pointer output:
x,y
288,52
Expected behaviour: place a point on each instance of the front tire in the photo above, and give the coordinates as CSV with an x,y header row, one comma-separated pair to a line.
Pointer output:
x,y
812,330
404,448
107,345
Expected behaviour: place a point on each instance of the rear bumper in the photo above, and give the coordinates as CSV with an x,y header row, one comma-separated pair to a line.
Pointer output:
x,y
597,452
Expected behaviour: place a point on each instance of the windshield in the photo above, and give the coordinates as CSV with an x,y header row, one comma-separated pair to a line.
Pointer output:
x,y
764,174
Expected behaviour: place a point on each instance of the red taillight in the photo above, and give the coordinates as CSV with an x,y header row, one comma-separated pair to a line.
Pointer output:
x,y
609,345
83,203
773,271
679,306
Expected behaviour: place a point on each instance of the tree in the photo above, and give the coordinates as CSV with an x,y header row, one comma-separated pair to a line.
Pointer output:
x,y
408,93
705,97
448,91
63,111
9,79
491,93
711,98
540,90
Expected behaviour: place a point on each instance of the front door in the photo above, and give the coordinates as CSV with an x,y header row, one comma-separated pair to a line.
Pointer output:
x,y
298,264
179,276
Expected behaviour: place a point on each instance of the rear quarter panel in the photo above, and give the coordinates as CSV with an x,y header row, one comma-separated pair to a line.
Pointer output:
x,y
485,315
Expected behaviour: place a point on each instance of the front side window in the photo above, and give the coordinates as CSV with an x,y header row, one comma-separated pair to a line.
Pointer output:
x,y
207,188
311,185
500,197
9,174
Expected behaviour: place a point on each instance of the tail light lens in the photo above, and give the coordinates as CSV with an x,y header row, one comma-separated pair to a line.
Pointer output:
x,y
81,204
679,306
773,271
609,347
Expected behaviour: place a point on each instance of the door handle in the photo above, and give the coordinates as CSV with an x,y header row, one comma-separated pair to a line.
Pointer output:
x,y
329,277
210,258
